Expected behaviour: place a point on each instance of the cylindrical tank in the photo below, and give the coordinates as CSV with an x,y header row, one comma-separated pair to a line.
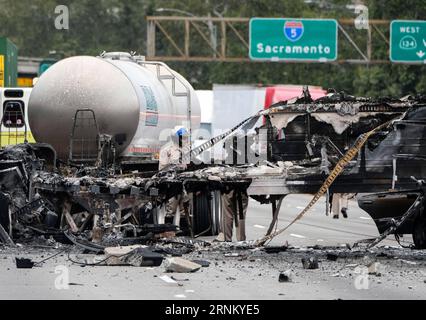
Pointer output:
x,y
135,102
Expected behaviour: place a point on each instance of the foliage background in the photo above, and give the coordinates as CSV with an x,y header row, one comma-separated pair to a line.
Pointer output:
x,y
120,25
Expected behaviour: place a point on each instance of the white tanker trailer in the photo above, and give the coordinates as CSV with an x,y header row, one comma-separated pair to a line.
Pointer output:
x,y
135,102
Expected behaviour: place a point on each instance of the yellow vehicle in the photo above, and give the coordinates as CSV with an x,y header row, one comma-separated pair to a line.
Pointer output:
x,y
14,126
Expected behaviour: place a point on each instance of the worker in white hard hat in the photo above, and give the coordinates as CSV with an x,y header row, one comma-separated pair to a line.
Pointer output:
x,y
171,154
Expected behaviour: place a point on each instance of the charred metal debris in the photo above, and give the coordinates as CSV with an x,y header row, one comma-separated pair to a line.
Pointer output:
x,y
97,210
96,207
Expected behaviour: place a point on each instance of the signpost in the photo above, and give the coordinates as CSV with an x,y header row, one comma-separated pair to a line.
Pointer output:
x,y
2,71
293,39
408,41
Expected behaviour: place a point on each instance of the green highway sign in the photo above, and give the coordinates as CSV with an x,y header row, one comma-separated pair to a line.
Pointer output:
x,y
408,41
293,39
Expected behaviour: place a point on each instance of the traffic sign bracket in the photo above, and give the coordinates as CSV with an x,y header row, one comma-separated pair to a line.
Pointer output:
x,y
235,31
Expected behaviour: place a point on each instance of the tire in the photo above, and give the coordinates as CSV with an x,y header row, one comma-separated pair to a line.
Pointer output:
x,y
419,233
201,215
4,213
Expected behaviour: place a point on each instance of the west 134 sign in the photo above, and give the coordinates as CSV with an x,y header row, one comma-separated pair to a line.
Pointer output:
x,y
293,39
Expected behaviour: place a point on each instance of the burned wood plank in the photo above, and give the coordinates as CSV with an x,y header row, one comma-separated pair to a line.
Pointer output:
x,y
66,211
4,237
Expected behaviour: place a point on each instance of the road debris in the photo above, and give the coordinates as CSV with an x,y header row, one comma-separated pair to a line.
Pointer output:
x,y
180,265
375,268
167,279
142,257
179,280
275,249
114,255
203,263
413,263
23,263
232,254
332,256
285,276
310,263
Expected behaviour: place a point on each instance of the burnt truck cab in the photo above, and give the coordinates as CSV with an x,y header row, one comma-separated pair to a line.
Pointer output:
x,y
314,135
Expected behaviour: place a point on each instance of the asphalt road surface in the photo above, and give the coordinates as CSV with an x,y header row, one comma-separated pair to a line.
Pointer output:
x,y
248,274
315,228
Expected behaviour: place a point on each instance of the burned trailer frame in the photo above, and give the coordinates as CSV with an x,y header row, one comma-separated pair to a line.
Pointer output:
x,y
125,210
98,208
314,135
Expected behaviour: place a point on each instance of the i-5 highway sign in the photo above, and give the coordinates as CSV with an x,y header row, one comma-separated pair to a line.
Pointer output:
x,y
284,39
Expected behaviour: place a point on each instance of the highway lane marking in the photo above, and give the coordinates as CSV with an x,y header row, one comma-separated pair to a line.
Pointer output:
x,y
181,296
297,236
365,218
259,226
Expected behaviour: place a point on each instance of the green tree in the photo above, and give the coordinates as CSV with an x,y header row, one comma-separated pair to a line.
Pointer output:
x,y
120,25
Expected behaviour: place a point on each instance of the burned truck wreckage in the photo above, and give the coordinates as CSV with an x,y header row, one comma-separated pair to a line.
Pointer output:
x,y
337,144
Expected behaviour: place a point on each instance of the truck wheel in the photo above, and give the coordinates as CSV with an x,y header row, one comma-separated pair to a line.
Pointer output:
x,y
201,215
4,212
419,233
